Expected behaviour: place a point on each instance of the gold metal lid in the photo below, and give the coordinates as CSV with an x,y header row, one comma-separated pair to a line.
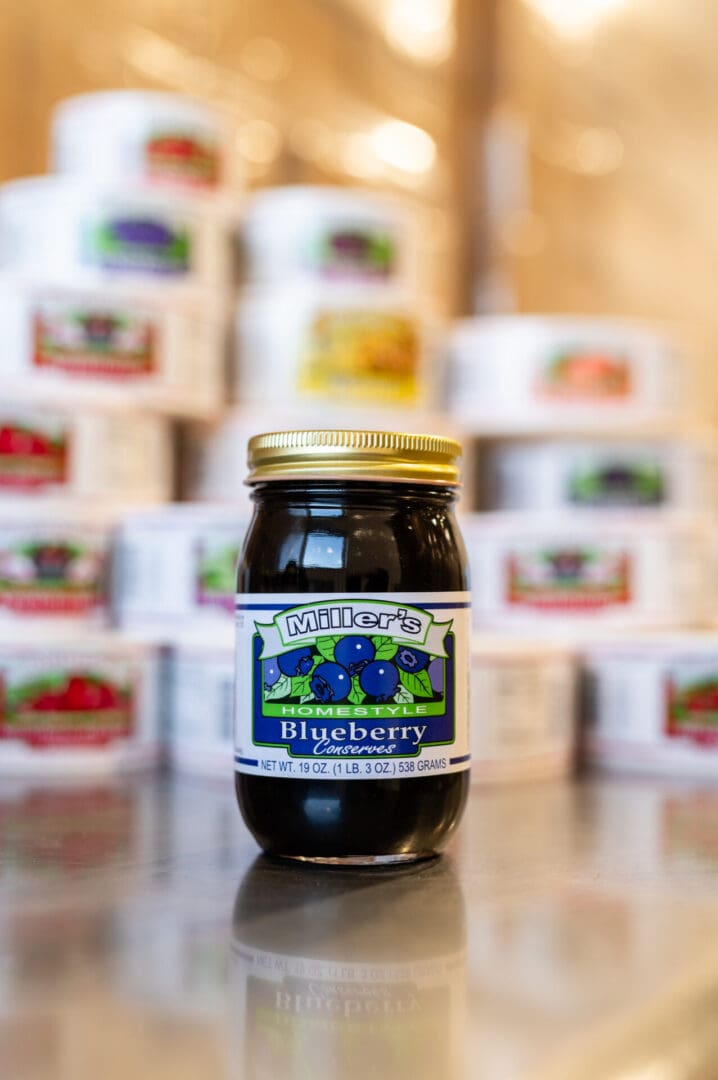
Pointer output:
x,y
353,455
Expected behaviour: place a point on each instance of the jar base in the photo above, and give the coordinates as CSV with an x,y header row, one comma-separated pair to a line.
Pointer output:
x,y
361,860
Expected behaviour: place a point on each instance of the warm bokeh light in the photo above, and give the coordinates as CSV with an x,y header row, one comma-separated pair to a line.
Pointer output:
x,y
403,146
421,28
575,16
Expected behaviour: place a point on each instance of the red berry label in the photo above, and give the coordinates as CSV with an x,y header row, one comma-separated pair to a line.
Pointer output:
x,y
692,708
179,156
581,375
67,708
565,579
51,578
94,342
32,457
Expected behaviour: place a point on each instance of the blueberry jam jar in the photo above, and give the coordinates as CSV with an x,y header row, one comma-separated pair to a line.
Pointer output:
x,y
353,632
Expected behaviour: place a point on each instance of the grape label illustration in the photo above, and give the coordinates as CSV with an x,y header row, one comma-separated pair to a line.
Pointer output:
x,y
568,578
137,244
583,375
33,456
692,705
65,707
370,354
216,575
51,577
357,253
354,680
93,341
617,483
182,156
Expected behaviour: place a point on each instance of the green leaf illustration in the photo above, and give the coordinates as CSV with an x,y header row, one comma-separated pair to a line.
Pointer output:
x,y
402,696
281,689
356,694
305,698
385,648
418,684
300,685
326,646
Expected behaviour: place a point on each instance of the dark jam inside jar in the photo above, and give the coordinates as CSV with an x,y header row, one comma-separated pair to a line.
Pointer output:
x,y
341,536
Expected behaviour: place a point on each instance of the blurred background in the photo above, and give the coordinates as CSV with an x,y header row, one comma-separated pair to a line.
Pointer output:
x,y
562,148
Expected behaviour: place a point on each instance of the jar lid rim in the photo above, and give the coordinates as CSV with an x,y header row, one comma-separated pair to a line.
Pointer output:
x,y
353,454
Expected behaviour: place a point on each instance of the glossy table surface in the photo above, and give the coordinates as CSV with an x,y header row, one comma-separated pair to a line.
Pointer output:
x,y
570,932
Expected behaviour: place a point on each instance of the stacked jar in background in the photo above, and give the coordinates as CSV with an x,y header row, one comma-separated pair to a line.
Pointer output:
x,y
115,275
595,484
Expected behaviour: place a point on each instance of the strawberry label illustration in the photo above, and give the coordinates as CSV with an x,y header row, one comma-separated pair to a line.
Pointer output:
x,y
617,484
182,156
692,706
370,355
138,244
584,375
93,341
217,575
568,578
33,456
341,681
75,707
355,253
58,577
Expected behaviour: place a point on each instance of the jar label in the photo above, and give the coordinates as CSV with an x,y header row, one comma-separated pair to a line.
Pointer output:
x,y
33,454
367,355
93,341
617,483
569,578
72,705
354,252
51,575
182,156
349,687
585,375
137,244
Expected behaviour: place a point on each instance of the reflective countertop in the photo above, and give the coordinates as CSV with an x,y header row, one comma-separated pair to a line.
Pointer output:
x,y
570,932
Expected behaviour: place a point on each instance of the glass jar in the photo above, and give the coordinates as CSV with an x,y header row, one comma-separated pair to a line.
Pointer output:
x,y
353,631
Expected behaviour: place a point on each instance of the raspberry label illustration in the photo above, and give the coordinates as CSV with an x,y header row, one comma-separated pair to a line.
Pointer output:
x,y
358,254
93,341
370,354
64,708
692,705
33,456
182,156
352,686
617,484
569,578
137,245
582,375
50,577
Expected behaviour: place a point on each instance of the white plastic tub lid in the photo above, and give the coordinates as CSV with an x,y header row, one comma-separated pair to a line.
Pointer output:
x,y
39,642
188,514
113,104
651,643
24,196
490,330
505,648
301,199
528,525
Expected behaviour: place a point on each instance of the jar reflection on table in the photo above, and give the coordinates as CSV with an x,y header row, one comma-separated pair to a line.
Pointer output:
x,y
345,974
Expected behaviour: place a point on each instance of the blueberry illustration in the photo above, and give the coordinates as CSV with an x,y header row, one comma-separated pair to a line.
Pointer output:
x,y
270,672
379,680
412,659
436,674
296,662
142,231
330,682
354,653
